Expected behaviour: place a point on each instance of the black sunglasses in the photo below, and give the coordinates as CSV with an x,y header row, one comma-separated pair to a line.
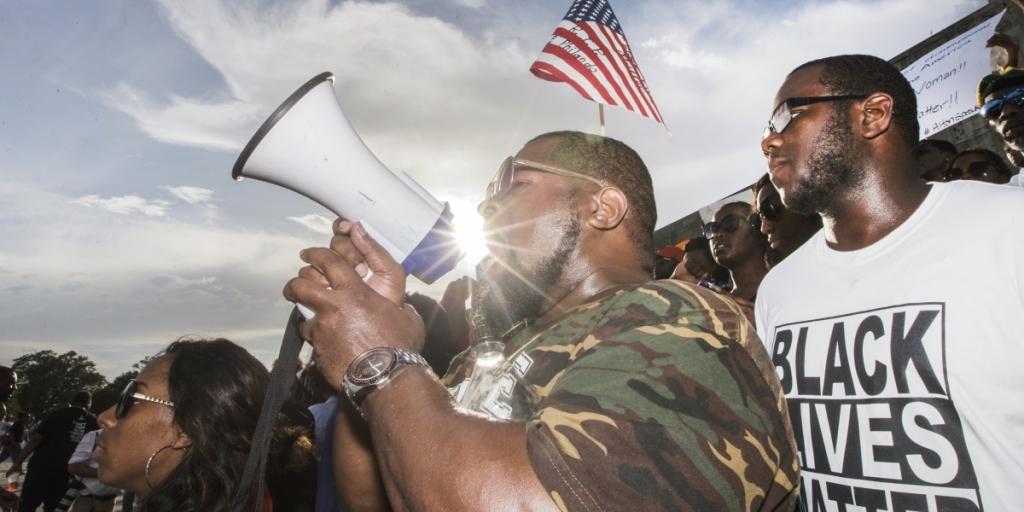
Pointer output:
x,y
977,170
991,110
770,210
129,396
728,224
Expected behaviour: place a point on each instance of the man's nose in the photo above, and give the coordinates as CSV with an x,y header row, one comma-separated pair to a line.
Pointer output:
x,y
487,208
765,229
771,142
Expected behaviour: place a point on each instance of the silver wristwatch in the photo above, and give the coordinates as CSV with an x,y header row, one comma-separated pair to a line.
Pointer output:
x,y
375,368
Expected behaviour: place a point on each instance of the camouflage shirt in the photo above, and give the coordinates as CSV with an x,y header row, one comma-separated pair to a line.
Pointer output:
x,y
656,396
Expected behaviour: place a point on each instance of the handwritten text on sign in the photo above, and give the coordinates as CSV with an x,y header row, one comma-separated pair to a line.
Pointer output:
x,y
946,80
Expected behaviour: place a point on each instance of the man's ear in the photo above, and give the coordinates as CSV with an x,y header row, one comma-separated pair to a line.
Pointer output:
x,y
876,115
608,209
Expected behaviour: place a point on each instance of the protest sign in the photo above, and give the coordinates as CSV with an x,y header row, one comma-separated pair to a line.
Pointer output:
x,y
946,80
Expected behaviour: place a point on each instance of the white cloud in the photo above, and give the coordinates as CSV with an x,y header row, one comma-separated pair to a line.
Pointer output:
x,y
316,223
440,104
682,56
191,195
126,205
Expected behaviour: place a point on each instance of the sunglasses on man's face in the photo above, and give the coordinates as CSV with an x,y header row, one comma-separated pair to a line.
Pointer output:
x,y
502,181
728,224
129,396
783,113
993,109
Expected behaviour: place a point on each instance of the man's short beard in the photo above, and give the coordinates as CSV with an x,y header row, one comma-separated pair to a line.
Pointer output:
x,y
835,167
515,295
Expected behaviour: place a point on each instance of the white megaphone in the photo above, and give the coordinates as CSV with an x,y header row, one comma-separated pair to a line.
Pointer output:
x,y
308,146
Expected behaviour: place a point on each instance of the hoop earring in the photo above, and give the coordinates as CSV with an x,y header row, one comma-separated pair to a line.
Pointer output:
x,y
151,457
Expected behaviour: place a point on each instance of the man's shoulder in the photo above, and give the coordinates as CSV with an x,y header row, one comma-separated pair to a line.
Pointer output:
x,y
665,298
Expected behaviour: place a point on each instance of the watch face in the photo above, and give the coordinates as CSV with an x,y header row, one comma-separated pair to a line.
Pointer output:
x,y
371,365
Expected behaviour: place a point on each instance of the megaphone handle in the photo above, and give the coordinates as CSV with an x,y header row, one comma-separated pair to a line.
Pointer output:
x,y
308,313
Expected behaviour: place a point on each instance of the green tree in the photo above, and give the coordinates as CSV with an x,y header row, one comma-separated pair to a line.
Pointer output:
x,y
108,395
47,379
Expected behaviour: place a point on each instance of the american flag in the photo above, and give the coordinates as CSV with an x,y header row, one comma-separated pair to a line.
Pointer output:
x,y
589,52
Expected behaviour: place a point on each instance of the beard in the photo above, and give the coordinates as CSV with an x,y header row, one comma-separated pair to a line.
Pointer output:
x,y
834,167
515,294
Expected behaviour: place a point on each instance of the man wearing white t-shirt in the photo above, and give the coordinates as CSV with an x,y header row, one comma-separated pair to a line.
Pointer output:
x,y
95,497
903,378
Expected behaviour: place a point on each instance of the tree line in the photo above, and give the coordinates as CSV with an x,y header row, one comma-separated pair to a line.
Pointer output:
x,y
47,380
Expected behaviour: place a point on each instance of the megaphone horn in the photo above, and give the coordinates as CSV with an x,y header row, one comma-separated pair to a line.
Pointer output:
x,y
308,146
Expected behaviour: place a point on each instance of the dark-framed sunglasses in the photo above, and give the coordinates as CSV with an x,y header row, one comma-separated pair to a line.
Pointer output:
x,y
506,174
993,109
728,224
129,396
783,113
977,170
770,208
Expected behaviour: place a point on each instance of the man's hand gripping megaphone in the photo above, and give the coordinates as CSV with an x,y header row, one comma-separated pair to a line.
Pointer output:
x,y
353,315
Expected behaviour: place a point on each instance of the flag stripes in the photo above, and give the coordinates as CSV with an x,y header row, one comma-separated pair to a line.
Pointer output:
x,y
589,51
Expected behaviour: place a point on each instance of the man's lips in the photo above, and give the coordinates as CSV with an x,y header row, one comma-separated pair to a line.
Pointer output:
x,y
774,164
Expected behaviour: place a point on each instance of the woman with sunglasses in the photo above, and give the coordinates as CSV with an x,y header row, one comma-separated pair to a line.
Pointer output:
x,y
978,164
180,434
738,246
786,230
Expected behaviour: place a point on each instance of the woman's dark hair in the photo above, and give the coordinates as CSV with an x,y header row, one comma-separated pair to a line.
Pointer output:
x,y
217,388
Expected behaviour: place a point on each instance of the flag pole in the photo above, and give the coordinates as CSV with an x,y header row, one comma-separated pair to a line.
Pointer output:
x,y
600,110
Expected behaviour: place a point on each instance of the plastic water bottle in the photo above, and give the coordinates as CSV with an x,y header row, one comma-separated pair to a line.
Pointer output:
x,y
12,482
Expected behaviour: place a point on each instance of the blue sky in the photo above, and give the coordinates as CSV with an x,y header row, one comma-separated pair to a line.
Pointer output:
x,y
121,229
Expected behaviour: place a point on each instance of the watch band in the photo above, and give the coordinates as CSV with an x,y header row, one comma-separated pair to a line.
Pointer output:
x,y
357,389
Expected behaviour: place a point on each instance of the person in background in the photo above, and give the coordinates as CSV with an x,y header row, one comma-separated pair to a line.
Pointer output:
x,y
324,413
51,445
699,266
94,497
978,164
439,349
8,385
786,230
15,435
180,435
739,246
454,304
666,260
889,358
1001,98
934,157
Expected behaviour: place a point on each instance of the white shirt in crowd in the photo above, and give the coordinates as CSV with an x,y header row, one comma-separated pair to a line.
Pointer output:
x,y
93,487
903,362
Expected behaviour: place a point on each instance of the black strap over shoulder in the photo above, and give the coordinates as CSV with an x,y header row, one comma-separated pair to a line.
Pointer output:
x,y
281,379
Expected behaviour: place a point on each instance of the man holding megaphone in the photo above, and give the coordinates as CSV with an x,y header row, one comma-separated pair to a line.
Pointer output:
x,y
639,394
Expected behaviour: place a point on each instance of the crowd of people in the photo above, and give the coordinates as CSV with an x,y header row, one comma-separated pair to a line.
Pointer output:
x,y
817,347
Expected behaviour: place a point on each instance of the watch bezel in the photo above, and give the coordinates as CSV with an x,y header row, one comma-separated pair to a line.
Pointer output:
x,y
380,375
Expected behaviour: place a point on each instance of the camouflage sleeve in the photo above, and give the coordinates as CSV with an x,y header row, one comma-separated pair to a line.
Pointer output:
x,y
671,403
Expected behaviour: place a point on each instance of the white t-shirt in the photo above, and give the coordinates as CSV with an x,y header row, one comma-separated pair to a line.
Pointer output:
x,y
93,487
903,362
